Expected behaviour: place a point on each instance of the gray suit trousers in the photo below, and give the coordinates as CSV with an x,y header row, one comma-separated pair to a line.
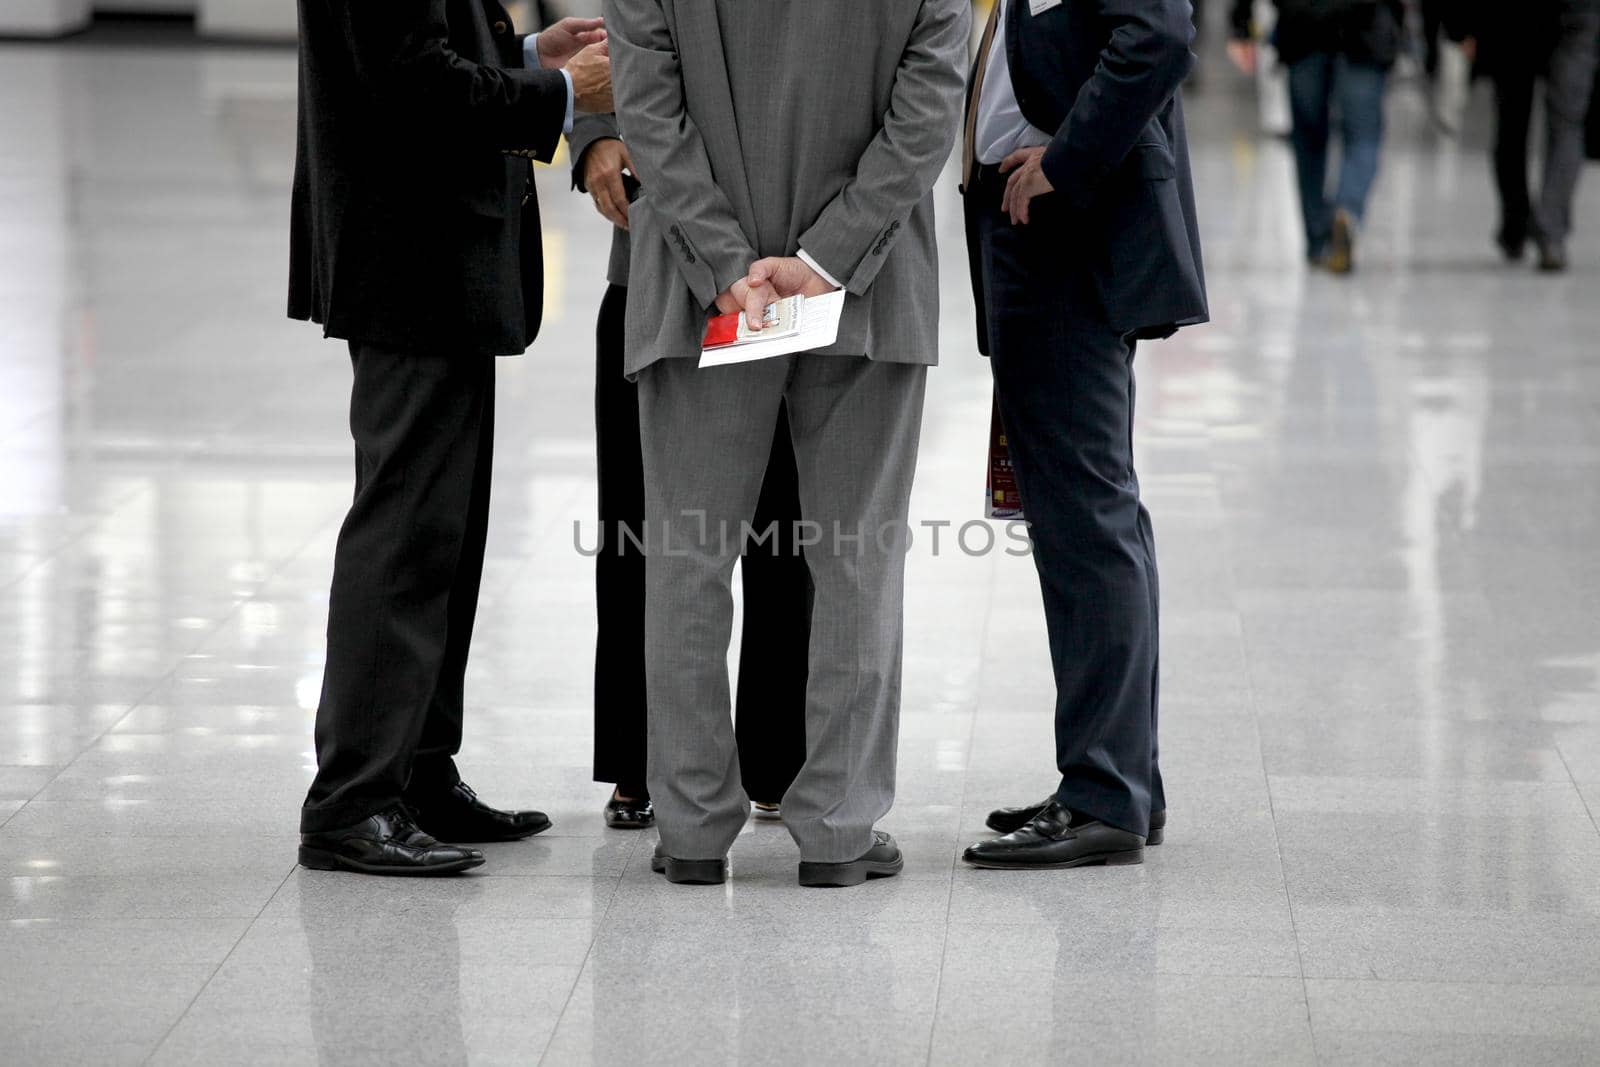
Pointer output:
x,y
705,436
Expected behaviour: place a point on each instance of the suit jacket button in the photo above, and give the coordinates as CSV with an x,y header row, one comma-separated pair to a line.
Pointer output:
x,y
500,29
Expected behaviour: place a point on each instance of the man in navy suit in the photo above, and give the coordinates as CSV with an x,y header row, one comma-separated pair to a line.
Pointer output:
x,y
1082,238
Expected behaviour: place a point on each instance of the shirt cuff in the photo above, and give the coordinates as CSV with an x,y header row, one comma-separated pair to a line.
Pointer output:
x,y
530,59
814,265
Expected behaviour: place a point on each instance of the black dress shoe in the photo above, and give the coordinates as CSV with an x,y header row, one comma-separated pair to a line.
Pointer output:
x,y
458,815
689,872
1058,838
387,843
882,860
630,814
1010,820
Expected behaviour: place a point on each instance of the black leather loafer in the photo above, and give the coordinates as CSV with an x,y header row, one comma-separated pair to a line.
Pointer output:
x,y
1010,820
458,815
689,872
387,843
882,860
629,814
1055,839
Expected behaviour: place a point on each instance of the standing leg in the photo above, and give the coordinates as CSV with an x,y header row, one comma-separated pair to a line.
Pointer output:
x,y
619,682
705,436
770,720
1513,98
416,422
1566,97
1309,88
856,426
1147,537
1359,92
1065,383
434,770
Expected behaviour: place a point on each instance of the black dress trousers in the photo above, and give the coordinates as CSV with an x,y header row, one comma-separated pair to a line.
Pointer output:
x,y
770,715
405,582
1065,383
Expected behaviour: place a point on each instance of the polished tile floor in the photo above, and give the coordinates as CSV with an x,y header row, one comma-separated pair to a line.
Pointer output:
x,y
1376,501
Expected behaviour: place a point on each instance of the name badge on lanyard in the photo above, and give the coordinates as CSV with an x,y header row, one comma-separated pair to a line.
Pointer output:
x,y
1039,7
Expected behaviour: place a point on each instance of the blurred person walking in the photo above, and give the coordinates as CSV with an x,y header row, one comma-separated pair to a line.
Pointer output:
x,y
1338,54
1548,43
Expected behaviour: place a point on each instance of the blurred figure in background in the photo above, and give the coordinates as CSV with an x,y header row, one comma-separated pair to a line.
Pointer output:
x,y
1338,53
1553,42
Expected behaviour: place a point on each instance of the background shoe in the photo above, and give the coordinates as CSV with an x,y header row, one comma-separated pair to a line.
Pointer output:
x,y
689,872
882,860
769,812
458,815
1552,257
1342,245
627,813
1056,839
386,843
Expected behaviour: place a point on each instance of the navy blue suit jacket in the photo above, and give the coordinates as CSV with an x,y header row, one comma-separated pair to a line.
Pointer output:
x,y
1104,75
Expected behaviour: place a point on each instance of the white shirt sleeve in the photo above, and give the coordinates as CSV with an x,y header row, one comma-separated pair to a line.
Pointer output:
x,y
814,265
530,59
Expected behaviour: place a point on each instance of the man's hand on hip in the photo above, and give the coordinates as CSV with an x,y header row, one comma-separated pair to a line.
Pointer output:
x,y
603,165
559,43
590,71
1027,181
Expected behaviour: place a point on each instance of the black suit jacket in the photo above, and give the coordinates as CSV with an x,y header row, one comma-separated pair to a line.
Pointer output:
x,y
409,226
1105,75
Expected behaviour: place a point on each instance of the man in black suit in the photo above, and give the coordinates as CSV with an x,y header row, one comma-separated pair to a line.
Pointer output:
x,y
1081,230
415,238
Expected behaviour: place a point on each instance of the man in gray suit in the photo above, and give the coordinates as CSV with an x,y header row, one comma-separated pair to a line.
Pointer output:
x,y
774,161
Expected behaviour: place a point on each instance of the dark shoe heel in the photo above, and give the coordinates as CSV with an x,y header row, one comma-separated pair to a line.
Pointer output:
x,y
316,859
831,875
691,872
1125,859
1156,836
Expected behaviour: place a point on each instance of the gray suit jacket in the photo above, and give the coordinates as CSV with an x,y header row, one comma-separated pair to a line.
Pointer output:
x,y
759,129
586,130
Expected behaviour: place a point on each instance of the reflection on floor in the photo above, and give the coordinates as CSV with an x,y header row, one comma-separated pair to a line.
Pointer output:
x,y
1376,502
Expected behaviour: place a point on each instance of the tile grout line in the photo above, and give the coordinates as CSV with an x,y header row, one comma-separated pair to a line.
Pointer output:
x,y
1272,811
961,807
1562,756
616,887
187,1008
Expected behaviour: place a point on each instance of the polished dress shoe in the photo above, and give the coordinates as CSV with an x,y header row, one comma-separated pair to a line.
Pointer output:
x,y
689,872
1010,820
627,813
1057,838
882,860
386,843
456,814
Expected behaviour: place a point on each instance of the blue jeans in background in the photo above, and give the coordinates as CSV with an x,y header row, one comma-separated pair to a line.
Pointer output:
x,y
1321,85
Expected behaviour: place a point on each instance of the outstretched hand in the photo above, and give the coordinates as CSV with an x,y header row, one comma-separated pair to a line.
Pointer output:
x,y
559,43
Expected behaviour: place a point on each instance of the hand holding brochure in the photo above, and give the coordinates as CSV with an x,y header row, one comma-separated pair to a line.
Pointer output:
x,y
799,324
